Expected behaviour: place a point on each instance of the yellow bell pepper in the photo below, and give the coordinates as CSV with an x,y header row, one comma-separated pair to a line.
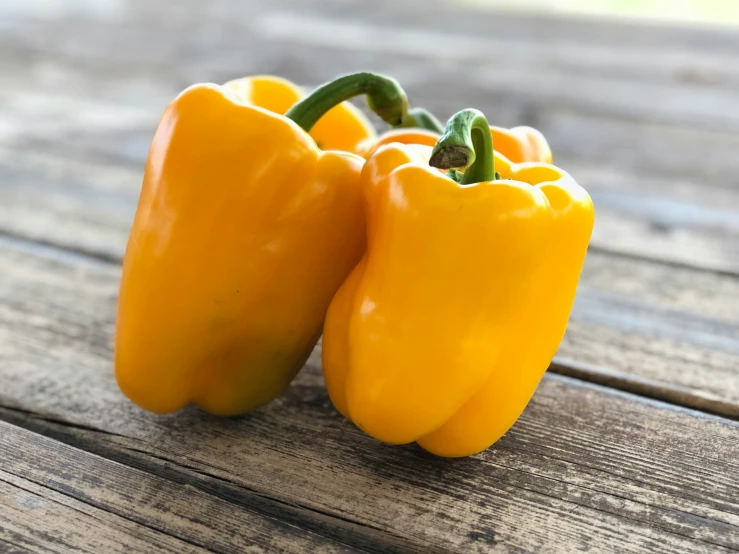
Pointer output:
x,y
519,144
343,127
243,233
443,331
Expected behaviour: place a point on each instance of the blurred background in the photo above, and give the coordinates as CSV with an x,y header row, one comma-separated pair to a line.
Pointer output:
x,y
689,11
638,98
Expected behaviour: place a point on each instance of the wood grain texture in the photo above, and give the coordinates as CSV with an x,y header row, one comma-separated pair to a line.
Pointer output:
x,y
76,501
677,328
569,476
34,518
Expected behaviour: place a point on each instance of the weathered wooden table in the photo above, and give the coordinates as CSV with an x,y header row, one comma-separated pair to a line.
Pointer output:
x,y
631,443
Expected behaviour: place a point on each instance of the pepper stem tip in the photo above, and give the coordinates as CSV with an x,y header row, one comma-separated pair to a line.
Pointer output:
x,y
452,157
466,143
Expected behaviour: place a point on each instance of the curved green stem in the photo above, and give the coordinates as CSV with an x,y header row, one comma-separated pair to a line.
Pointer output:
x,y
423,119
385,97
466,143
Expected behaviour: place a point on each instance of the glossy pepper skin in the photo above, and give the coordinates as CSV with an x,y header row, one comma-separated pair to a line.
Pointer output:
x,y
443,331
243,233
519,144
344,127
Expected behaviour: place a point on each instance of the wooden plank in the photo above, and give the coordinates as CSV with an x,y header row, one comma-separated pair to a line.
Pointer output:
x,y
81,206
676,328
584,468
36,519
116,117
478,20
577,70
632,317
57,498
529,79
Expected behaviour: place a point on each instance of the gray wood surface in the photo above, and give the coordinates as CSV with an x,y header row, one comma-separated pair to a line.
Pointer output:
x,y
104,506
584,467
36,519
646,117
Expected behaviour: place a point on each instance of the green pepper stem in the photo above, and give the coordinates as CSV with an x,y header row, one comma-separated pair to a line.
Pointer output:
x,y
423,119
466,143
385,97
